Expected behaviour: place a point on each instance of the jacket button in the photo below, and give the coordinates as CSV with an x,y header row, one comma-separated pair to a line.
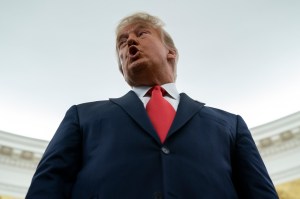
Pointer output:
x,y
165,150
157,195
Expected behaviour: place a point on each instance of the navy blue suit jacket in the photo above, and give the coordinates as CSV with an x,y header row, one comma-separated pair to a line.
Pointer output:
x,y
110,150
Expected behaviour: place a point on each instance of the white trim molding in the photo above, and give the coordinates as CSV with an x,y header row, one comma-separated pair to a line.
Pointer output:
x,y
279,145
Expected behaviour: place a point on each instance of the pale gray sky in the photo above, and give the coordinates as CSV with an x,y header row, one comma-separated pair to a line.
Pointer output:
x,y
240,56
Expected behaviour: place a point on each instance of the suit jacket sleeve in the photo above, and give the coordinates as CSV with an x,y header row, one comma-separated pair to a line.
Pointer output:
x,y
251,177
60,163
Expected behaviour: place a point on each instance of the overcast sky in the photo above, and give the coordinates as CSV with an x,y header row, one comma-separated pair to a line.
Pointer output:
x,y
240,56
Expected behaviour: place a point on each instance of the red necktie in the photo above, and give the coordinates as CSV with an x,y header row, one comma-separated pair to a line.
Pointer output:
x,y
160,111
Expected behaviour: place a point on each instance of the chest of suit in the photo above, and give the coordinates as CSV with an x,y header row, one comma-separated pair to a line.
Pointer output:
x,y
122,155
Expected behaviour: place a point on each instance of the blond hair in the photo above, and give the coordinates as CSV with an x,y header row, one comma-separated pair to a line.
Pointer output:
x,y
152,21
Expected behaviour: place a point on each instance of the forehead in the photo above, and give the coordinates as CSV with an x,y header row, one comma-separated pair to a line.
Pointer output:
x,y
132,27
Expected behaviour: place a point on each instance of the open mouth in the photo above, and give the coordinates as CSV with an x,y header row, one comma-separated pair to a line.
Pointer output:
x,y
133,51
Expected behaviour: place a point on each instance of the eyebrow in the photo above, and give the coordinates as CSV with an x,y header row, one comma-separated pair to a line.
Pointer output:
x,y
134,29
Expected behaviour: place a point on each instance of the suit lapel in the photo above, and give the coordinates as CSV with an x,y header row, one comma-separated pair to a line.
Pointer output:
x,y
187,108
134,107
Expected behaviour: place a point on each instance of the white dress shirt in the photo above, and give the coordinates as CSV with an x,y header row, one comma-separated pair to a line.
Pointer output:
x,y
172,95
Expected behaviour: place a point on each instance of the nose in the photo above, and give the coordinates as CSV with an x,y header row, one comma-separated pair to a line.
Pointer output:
x,y
132,40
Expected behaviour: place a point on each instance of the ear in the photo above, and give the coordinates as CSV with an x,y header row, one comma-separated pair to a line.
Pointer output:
x,y
172,54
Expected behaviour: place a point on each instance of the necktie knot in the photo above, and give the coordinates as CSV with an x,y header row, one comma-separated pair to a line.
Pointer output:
x,y
157,90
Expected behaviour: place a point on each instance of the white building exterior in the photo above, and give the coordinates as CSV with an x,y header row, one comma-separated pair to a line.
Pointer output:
x,y
279,146
277,141
19,157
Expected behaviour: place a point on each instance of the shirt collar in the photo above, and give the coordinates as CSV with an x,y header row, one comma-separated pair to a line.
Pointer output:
x,y
169,87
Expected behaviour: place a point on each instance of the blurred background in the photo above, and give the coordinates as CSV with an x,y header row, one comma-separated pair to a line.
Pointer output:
x,y
240,56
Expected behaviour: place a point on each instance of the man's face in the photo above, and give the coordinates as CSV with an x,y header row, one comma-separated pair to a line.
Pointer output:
x,y
145,59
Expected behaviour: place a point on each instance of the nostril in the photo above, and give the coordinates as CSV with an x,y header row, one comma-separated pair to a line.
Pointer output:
x,y
131,42
133,50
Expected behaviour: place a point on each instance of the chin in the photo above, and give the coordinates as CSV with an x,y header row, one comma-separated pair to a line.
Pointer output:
x,y
138,67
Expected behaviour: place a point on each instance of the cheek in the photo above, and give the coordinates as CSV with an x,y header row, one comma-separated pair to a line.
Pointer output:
x,y
121,56
123,65
121,60
122,53
159,48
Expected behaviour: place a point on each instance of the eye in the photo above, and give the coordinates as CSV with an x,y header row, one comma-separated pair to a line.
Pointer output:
x,y
143,32
122,41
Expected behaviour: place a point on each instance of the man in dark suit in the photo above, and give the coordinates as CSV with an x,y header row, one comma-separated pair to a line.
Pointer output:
x,y
153,142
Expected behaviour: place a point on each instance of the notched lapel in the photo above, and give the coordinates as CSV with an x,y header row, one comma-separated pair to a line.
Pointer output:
x,y
134,107
187,108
